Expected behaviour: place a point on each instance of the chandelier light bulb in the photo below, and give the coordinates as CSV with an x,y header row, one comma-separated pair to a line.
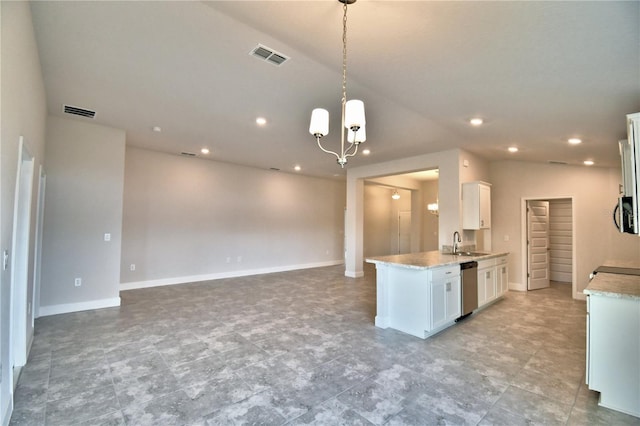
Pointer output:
x,y
319,125
354,114
360,135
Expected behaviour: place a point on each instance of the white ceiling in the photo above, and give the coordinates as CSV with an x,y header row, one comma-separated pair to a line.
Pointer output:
x,y
538,73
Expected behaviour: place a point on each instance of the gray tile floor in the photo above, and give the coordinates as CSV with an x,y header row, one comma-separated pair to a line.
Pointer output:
x,y
300,348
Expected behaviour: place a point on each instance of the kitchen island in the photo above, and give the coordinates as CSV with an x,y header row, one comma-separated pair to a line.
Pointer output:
x,y
420,293
613,337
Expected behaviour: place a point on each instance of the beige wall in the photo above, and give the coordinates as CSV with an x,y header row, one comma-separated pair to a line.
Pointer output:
x,y
85,176
189,219
23,113
377,221
429,220
594,192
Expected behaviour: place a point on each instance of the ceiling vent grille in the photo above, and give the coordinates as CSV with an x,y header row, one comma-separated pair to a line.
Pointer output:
x,y
188,154
268,54
561,163
82,112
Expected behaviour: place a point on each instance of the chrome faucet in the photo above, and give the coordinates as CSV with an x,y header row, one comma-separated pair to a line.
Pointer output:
x,y
455,242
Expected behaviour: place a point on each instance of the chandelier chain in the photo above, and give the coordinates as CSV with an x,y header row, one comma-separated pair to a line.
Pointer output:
x,y
344,54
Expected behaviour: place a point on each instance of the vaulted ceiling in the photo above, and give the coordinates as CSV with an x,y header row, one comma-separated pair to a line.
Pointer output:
x,y
538,73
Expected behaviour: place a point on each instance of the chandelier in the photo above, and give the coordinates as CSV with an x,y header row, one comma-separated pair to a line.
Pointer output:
x,y
353,120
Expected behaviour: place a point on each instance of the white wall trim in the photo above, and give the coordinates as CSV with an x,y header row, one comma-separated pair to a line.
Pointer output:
x,y
517,287
354,274
220,275
80,306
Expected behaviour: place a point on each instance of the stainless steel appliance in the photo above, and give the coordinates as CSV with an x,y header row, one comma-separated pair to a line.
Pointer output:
x,y
627,213
469,275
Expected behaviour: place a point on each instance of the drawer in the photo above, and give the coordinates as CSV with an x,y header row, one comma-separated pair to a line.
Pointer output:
x,y
502,260
445,272
487,263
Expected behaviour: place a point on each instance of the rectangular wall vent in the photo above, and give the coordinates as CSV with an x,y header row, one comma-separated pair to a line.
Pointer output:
x,y
562,163
188,154
268,54
82,112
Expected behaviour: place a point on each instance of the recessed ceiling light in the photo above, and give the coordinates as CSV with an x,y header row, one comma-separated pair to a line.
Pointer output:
x,y
297,168
513,149
261,121
574,141
366,152
588,162
205,150
157,129
476,121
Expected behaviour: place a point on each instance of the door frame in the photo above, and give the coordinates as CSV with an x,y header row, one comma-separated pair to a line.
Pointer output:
x,y
37,252
523,239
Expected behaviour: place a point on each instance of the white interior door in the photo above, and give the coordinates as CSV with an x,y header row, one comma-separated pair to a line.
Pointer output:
x,y
537,244
20,261
404,232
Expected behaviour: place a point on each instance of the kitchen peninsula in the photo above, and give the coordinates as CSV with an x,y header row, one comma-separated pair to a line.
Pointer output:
x,y
613,335
420,293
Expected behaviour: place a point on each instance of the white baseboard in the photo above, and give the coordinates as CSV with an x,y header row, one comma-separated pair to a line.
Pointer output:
x,y
80,306
220,275
354,274
517,287
8,411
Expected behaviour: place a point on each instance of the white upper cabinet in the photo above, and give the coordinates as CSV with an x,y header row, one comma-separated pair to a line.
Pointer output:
x,y
476,205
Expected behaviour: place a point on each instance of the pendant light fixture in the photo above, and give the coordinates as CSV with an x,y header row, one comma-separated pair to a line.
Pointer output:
x,y
353,121
395,195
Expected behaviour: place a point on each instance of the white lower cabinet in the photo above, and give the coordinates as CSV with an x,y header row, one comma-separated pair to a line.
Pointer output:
x,y
613,351
420,302
493,279
445,296
502,276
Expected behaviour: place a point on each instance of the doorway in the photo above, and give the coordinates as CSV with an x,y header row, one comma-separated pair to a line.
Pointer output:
x,y
548,242
404,232
20,262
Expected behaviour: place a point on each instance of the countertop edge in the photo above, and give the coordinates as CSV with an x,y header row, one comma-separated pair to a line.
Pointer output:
x,y
450,260
614,285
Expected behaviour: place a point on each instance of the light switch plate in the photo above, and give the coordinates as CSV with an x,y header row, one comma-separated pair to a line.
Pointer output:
x,y
107,237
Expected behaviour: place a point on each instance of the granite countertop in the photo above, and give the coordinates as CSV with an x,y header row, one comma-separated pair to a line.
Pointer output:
x,y
429,259
623,263
615,285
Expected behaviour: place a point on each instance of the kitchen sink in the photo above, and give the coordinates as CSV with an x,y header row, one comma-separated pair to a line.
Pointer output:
x,y
469,253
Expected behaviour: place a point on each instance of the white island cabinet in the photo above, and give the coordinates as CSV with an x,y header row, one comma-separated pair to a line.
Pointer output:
x,y
421,293
419,302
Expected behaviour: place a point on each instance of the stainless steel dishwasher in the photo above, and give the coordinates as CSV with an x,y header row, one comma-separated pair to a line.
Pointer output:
x,y
469,276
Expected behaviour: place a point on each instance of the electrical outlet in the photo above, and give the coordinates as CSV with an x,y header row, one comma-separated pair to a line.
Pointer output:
x,y
107,237
132,267
228,259
239,259
78,282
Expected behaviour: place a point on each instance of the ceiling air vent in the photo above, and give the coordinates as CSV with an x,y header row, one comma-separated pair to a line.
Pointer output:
x,y
562,163
188,154
268,54
68,109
